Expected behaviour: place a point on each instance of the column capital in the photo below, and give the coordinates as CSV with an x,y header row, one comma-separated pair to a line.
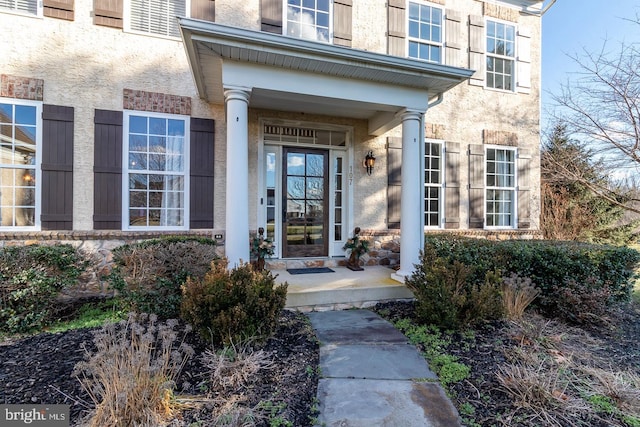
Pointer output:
x,y
237,94
410,115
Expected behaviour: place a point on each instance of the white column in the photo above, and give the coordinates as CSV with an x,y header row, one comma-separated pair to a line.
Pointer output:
x,y
237,217
411,203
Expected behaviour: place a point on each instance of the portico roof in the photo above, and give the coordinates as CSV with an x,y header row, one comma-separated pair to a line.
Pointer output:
x,y
292,74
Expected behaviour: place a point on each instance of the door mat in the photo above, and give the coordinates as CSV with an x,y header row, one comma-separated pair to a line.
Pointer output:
x,y
312,270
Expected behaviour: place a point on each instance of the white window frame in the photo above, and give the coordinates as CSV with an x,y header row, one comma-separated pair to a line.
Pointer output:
x,y
36,167
440,44
128,4
513,189
285,23
440,185
513,59
16,11
125,171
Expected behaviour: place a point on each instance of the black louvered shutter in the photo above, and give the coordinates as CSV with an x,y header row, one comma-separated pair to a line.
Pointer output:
x,y
476,186
396,27
342,22
57,168
203,9
452,185
201,173
271,16
108,13
524,188
107,170
394,181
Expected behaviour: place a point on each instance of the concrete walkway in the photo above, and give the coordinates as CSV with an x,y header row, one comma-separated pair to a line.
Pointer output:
x,y
373,377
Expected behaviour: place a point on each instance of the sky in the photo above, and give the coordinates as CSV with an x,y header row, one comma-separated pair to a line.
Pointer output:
x,y
572,26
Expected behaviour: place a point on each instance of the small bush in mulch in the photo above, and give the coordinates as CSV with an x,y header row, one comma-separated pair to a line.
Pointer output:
x,y
451,294
31,277
228,306
148,275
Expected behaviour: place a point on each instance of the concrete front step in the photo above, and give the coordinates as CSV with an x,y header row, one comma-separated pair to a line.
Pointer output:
x,y
283,264
341,288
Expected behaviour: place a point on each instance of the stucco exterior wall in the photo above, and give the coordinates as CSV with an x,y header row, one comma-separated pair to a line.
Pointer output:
x,y
87,67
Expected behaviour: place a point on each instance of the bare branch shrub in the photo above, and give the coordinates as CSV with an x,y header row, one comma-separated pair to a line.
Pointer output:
x,y
233,368
131,376
517,294
543,389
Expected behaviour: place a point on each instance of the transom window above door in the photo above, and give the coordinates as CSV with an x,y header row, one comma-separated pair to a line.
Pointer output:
x,y
309,19
305,136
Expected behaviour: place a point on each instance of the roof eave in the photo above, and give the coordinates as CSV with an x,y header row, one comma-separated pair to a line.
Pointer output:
x,y
370,63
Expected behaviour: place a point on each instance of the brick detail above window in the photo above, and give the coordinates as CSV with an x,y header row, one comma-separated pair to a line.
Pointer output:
x,y
21,87
442,2
498,137
140,100
433,131
500,12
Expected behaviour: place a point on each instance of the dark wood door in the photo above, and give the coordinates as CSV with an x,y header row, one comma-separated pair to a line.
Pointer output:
x,y
305,202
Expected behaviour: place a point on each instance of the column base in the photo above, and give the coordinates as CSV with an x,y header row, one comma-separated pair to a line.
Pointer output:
x,y
400,276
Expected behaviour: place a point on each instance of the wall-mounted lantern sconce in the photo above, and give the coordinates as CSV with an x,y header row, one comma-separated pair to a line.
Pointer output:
x,y
369,162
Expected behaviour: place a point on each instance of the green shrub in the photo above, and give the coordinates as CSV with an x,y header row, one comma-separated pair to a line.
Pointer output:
x,y
449,295
148,275
31,277
229,306
595,277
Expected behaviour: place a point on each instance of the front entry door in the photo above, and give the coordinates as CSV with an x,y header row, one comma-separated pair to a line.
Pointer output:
x,y
306,204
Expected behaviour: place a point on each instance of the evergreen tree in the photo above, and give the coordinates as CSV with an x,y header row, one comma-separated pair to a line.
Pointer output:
x,y
572,210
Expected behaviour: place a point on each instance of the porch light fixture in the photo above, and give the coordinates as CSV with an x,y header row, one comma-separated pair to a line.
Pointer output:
x,y
369,162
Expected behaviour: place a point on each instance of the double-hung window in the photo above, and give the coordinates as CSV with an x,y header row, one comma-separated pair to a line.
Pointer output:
x,y
156,176
425,32
28,7
500,187
20,129
433,184
501,48
155,16
309,19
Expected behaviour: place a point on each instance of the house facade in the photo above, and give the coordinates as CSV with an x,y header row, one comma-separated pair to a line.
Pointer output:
x,y
126,119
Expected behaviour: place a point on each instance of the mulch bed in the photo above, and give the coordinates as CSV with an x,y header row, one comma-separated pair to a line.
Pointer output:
x,y
614,344
38,370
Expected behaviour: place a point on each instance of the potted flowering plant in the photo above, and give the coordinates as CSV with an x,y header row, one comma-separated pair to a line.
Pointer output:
x,y
356,247
261,247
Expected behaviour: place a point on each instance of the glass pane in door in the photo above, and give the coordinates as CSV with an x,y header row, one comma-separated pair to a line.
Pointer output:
x,y
305,201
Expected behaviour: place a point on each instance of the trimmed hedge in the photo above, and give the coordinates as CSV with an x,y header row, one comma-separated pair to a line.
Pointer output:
x,y
148,274
31,278
562,271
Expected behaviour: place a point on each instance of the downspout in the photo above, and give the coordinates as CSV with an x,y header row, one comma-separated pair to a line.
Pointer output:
x,y
436,102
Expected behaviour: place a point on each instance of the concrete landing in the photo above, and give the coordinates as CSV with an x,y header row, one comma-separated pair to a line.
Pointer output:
x,y
372,375
341,289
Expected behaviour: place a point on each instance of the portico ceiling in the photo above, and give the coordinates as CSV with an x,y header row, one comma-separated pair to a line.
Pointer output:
x,y
291,74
